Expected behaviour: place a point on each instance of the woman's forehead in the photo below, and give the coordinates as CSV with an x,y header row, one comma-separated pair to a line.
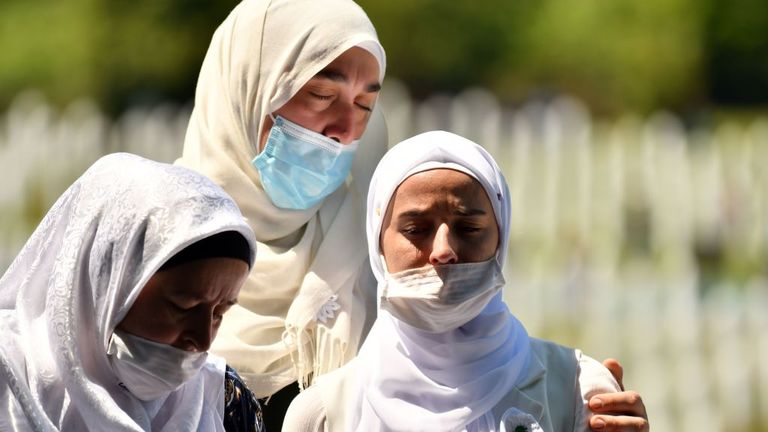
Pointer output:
x,y
439,183
438,178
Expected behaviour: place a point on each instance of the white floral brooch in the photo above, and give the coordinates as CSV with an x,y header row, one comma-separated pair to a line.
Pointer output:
x,y
515,420
328,310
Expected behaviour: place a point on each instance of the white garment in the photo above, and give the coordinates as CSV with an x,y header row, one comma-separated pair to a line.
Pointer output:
x,y
449,380
259,57
552,396
76,279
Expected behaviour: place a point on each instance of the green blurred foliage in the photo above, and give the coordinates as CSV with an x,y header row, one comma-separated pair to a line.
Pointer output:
x,y
120,52
618,56
738,60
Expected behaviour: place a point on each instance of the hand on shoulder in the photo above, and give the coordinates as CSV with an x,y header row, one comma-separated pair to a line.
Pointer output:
x,y
622,411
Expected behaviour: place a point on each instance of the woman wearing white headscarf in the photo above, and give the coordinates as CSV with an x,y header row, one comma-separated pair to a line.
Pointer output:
x,y
444,352
97,333
285,91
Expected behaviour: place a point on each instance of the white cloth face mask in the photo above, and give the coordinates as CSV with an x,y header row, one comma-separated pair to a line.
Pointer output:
x,y
443,297
150,370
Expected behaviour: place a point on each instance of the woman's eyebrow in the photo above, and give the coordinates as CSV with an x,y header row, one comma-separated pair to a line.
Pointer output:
x,y
462,211
338,76
412,214
185,296
469,212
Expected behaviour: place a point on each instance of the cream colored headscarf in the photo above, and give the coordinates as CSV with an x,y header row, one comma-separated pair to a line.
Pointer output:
x,y
310,262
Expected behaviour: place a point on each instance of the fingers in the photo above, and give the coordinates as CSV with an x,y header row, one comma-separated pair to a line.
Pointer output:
x,y
623,411
624,403
617,371
605,423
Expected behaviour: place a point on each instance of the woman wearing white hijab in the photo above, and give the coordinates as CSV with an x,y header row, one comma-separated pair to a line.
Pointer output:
x,y
444,352
285,91
108,311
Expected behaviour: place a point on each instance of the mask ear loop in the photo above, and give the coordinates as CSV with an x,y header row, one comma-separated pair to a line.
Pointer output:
x,y
383,263
383,284
274,122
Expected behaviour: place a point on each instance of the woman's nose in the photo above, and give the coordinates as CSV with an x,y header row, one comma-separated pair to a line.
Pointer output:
x,y
199,335
443,252
341,126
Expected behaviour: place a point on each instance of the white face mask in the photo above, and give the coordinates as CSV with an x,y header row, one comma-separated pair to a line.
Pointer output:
x,y
150,370
441,298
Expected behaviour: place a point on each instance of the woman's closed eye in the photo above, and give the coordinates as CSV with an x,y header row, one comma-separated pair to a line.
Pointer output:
x,y
363,106
320,96
328,97
181,308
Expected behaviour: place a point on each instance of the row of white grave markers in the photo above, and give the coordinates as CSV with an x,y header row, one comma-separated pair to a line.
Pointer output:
x,y
619,229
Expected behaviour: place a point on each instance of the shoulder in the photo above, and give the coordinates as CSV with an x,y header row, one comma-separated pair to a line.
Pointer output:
x,y
557,359
572,379
338,393
548,349
594,378
574,365
242,412
306,412
548,388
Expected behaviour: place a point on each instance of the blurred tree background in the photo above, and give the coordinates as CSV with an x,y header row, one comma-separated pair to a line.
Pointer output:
x,y
637,234
121,53
689,56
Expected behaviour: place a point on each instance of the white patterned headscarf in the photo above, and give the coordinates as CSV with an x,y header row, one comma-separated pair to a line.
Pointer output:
x,y
76,279
415,380
303,310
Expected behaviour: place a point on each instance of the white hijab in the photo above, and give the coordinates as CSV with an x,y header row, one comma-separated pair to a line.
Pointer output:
x,y
414,380
75,280
309,260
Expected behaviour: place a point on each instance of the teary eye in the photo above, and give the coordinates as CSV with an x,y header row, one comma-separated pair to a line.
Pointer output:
x,y
413,229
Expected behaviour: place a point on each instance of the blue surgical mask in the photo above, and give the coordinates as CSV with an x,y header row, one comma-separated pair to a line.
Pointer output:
x,y
299,167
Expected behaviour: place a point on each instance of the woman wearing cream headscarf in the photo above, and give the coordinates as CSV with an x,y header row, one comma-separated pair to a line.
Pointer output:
x,y
108,311
444,352
285,82
285,91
